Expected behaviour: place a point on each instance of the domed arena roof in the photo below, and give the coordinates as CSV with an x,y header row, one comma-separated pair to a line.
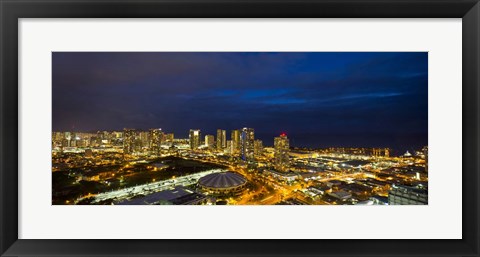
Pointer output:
x,y
222,180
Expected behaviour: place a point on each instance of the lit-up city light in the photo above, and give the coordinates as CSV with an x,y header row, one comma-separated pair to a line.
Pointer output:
x,y
239,128
249,172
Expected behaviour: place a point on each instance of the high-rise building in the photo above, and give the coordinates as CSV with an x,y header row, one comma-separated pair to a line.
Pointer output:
x,y
156,138
425,153
169,137
281,152
229,148
69,137
379,152
57,139
209,141
405,195
117,134
128,141
221,139
235,137
247,141
58,136
85,142
145,138
194,138
258,147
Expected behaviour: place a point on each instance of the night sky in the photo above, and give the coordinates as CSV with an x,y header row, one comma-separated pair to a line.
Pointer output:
x,y
318,99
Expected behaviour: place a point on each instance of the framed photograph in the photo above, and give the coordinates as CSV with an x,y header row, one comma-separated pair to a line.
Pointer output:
x,y
225,128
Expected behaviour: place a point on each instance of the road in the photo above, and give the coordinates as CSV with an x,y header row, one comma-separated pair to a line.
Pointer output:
x,y
149,188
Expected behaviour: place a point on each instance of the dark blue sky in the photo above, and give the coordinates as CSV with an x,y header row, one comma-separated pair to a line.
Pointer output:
x,y
318,99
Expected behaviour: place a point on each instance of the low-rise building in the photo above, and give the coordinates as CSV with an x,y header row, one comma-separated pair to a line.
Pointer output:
x,y
340,195
405,195
178,196
283,176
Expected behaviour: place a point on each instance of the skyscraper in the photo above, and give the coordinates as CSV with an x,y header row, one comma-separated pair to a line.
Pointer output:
x,y
282,149
128,141
425,153
169,137
194,137
247,139
235,137
229,149
221,139
68,137
209,141
155,140
144,138
258,147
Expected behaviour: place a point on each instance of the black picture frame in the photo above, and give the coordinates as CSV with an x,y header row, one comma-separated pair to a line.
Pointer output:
x,y
12,10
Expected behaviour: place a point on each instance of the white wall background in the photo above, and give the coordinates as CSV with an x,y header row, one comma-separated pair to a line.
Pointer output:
x,y
442,218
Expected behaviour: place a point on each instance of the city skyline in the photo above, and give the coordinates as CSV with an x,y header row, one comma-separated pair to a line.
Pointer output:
x,y
202,138
320,99
150,167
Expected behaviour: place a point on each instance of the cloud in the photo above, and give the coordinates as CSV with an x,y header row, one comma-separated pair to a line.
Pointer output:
x,y
308,93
